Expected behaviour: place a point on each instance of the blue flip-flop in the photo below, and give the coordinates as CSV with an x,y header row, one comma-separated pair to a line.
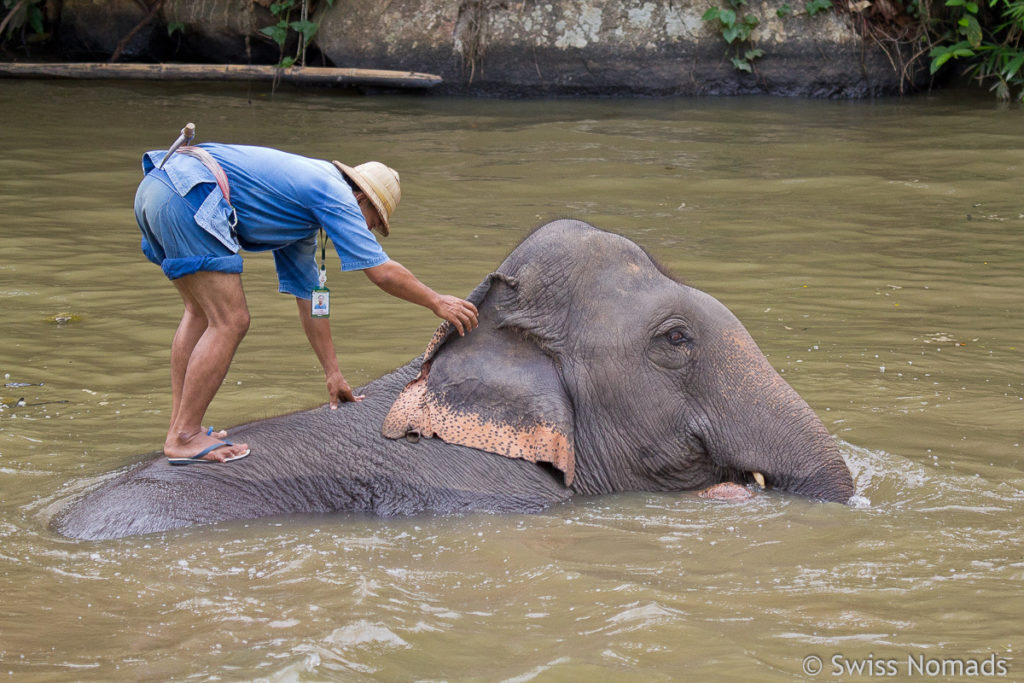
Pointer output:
x,y
198,457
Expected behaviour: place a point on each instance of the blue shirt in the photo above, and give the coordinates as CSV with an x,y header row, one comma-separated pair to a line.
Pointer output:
x,y
282,200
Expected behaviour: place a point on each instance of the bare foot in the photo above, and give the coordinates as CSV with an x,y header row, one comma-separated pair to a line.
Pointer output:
x,y
219,434
181,447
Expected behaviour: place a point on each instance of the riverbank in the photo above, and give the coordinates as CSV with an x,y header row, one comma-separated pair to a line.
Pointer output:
x,y
484,47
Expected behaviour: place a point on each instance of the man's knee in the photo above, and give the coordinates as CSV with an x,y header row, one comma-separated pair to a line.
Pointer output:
x,y
232,322
220,297
238,322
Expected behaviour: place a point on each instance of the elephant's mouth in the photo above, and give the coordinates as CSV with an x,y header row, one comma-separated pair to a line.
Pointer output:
x,y
756,481
736,491
737,475
748,484
731,479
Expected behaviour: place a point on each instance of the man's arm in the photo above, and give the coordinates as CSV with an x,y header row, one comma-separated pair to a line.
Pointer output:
x,y
318,332
396,280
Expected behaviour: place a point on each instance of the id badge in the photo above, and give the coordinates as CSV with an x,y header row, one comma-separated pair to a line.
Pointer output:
x,y
321,303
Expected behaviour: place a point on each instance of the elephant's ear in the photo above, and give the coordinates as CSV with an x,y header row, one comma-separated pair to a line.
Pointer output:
x,y
494,389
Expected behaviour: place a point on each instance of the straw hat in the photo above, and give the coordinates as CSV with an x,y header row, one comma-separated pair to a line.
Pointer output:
x,y
380,184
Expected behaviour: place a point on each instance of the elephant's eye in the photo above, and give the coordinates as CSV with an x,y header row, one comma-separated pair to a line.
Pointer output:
x,y
677,337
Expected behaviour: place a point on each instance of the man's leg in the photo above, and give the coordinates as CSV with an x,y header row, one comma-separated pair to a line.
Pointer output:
x,y
190,329
217,299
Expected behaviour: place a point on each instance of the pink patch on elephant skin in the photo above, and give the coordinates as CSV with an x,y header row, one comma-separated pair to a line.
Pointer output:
x,y
417,412
440,335
727,491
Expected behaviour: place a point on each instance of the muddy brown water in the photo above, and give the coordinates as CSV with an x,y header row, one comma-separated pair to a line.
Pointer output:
x,y
873,249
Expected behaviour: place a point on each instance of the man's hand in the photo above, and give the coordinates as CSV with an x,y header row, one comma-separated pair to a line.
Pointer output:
x,y
396,280
338,390
458,312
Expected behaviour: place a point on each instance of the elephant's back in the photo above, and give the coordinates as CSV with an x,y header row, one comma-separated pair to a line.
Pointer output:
x,y
315,461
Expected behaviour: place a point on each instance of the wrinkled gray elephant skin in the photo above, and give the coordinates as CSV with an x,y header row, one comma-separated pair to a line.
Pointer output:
x,y
591,372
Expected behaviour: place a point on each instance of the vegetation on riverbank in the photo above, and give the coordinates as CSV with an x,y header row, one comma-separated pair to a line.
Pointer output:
x,y
983,39
301,31
988,39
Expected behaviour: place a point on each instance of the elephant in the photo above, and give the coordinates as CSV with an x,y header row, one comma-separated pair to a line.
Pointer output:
x,y
592,371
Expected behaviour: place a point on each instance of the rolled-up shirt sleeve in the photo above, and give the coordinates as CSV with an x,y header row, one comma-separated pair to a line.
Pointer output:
x,y
339,215
352,241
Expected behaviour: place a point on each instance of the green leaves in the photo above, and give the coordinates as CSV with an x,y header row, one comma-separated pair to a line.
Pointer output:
x,y
736,30
278,32
23,14
737,27
1013,65
815,6
279,8
733,27
990,40
941,55
305,26
743,63
307,29
35,18
967,24
970,28
1013,12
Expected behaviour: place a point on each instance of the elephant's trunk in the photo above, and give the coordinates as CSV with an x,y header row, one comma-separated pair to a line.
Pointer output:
x,y
830,482
800,457
807,463
776,436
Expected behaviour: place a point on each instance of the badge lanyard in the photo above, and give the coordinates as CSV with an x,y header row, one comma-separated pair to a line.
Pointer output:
x,y
320,301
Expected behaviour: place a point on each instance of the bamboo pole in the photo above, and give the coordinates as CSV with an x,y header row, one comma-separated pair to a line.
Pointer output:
x,y
220,72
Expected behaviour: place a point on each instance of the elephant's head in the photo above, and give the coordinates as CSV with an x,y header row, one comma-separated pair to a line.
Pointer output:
x,y
591,358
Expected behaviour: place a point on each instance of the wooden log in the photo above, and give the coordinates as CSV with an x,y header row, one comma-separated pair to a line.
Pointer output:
x,y
221,72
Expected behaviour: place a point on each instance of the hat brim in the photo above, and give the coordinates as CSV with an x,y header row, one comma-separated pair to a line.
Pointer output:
x,y
361,183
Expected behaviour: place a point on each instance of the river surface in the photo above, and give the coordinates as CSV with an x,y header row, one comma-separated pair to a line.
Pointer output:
x,y
873,249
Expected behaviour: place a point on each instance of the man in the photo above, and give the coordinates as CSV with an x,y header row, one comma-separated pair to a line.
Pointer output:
x,y
202,206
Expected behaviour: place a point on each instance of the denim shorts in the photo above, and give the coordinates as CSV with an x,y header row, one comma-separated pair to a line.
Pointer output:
x,y
171,238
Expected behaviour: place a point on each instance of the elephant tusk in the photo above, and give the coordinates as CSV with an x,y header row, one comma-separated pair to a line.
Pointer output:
x,y
759,478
